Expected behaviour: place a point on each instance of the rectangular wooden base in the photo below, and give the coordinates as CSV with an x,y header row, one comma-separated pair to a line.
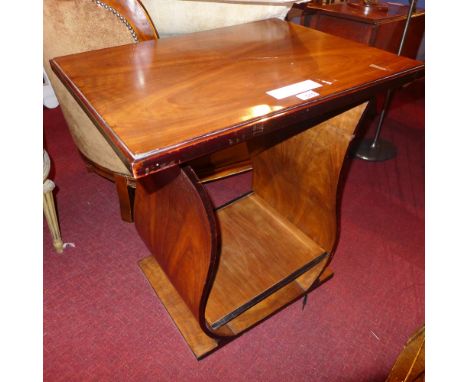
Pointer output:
x,y
200,343
197,340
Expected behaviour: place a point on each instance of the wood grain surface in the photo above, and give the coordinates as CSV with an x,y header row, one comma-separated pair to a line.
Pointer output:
x,y
197,340
188,325
175,218
288,294
260,252
164,102
259,249
298,175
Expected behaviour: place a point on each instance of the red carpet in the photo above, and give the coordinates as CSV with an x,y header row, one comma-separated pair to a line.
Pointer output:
x,y
102,321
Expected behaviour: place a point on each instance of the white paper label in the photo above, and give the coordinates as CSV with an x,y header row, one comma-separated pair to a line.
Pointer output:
x,y
293,89
307,95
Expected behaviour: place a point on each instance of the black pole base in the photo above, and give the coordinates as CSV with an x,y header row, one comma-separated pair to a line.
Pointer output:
x,y
381,151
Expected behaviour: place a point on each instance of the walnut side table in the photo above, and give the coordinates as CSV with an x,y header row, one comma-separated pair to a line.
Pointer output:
x,y
163,104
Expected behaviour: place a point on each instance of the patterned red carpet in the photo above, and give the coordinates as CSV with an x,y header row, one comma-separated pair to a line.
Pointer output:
x,y
102,321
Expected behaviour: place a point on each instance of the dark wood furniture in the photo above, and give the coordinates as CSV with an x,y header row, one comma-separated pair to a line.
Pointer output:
x,y
164,103
377,27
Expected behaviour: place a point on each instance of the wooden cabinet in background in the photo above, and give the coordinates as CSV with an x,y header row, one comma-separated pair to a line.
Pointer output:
x,y
380,28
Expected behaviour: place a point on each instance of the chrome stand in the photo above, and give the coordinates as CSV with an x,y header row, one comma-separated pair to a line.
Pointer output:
x,y
376,149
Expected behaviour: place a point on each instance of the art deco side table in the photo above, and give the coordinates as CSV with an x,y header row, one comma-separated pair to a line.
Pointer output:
x,y
293,96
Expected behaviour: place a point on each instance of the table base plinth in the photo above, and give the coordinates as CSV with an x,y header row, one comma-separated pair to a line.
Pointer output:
x,y
200,344
196,339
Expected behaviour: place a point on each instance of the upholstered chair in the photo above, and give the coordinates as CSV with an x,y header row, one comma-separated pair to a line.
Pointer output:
x,y
73,26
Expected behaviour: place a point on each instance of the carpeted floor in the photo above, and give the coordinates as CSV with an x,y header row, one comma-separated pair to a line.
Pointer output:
x,y
102,321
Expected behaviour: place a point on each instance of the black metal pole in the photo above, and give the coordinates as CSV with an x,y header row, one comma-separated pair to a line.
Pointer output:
x,y
377,150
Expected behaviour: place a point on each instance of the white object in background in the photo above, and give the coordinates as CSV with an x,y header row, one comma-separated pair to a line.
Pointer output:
x,y
201,15
49,99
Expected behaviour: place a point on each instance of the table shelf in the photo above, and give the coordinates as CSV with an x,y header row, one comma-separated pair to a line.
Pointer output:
x,y
253,268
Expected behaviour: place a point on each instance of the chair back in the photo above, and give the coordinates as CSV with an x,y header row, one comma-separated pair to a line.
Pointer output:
x,y
175,17
74,26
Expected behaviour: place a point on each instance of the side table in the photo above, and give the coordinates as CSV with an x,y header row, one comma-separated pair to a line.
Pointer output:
x,y
291,94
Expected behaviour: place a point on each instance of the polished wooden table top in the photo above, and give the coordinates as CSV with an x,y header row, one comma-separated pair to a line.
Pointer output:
x,y
161,103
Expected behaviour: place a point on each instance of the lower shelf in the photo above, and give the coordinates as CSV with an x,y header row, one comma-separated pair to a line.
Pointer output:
x,y
261,253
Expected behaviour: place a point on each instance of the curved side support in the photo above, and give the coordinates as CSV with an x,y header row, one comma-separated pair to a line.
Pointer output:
x,y
175,218
276,241
298,176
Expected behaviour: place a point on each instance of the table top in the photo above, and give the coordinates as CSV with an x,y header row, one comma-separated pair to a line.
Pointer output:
x,y
394,11
164,102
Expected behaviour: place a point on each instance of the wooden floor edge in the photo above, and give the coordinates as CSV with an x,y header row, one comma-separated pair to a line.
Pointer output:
x,y
186,323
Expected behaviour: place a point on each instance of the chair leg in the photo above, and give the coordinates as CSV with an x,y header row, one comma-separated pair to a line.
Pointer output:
x,y
125,198
51,216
